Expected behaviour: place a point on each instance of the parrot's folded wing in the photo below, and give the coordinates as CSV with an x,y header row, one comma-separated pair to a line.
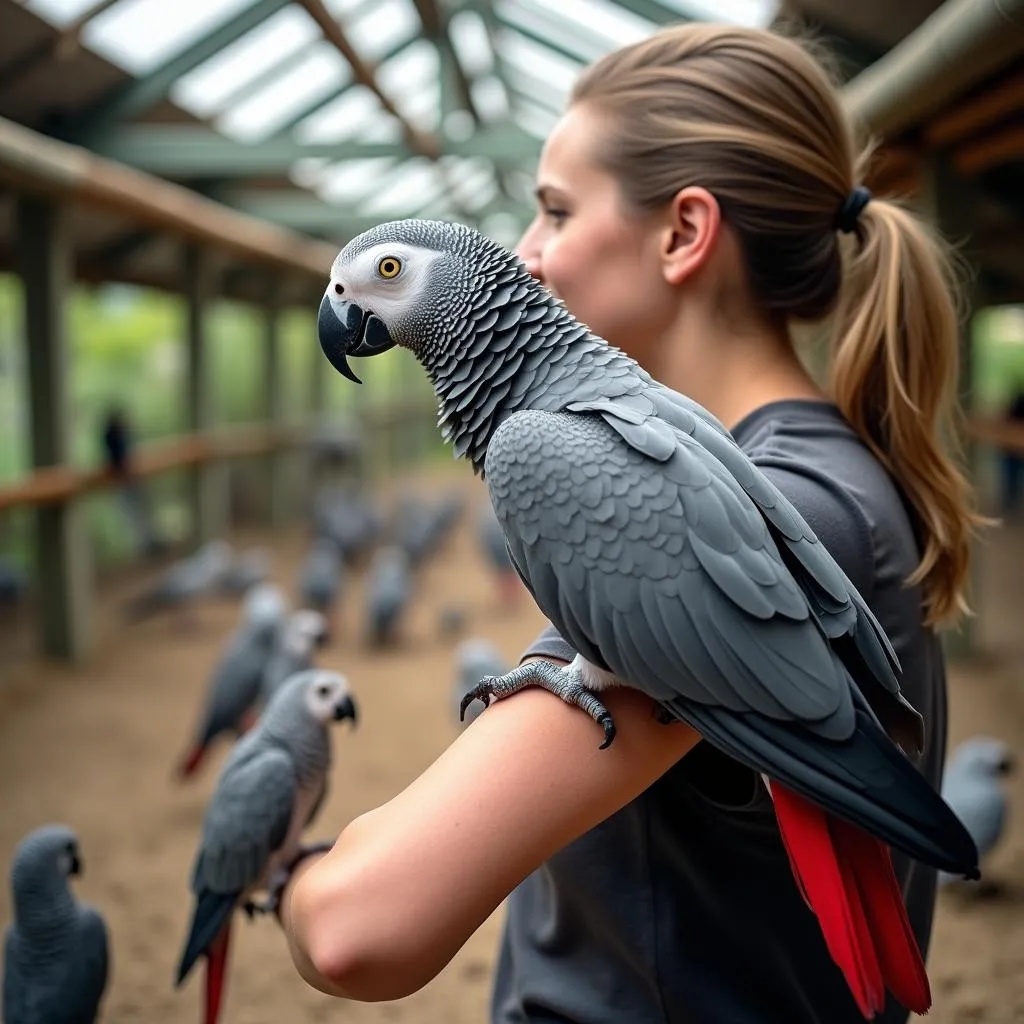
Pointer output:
x,y
87,980
663,572
247,820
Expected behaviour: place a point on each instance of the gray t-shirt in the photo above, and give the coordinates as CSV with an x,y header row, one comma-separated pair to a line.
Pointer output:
x,y
682,906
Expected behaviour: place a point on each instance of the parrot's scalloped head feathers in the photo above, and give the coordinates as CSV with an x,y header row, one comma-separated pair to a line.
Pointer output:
x,y
51,850
323,693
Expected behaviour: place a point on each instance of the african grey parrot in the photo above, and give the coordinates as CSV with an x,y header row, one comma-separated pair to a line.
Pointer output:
x,y
234,689
56,953
247,569
272,786
388,592
293,649
492,543
321,578
671,564
972,785
184,582
475,659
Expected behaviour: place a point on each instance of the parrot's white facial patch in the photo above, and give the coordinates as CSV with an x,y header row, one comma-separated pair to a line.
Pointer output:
x,y
325,693
389,280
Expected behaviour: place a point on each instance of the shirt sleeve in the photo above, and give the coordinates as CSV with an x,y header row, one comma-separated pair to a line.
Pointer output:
x,y
549,644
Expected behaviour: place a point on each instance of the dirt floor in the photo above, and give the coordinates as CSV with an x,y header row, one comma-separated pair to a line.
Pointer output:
x,y
95,748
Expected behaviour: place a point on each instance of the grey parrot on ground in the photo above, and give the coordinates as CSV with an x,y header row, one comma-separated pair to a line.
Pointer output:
x,y
272,786
492,543
321,579
388,592
973,786
56,952
671,564
184,582
247,569
347,515
293,650
475,659
234,689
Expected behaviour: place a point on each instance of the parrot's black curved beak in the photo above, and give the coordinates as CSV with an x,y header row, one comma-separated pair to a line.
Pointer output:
x,y
346,709
348,330
75,867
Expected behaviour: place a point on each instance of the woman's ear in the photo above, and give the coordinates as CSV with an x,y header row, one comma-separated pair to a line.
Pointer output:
x,y
691,234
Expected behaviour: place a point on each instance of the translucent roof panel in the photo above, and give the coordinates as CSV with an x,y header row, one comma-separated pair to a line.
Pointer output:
x,y
205,89
282,80
266,109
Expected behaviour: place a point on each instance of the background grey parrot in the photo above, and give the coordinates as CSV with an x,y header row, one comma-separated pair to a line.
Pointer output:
x,y
234,689
671,564
184,582
293,650
321,578
973,785
388,592
56,956
475,659
492,543
247,569
270,790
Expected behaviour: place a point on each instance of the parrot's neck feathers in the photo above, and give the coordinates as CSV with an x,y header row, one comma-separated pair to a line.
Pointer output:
x,y
44,912
303,738
514,344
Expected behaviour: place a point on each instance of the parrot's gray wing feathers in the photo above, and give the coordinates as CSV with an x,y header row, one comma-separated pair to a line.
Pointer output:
x,y
643,564
246,821
88,978
834,601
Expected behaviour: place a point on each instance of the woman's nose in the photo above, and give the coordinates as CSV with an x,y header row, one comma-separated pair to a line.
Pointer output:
x,y
533,266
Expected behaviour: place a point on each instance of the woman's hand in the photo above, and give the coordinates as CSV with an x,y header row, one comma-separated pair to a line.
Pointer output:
x,y
408,883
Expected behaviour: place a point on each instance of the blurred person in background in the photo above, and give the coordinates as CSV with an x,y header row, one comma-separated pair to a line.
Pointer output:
x,y
702,193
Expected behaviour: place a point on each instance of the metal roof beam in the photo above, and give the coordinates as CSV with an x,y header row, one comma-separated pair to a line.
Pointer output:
x,y
302,211
139,95
175,151
651,10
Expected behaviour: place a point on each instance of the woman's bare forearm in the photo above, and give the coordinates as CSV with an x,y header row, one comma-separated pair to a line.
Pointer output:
x,y
409,882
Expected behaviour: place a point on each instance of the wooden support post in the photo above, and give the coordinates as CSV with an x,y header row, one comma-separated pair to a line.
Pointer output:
x,y
944,202
276,505
208,490
64,572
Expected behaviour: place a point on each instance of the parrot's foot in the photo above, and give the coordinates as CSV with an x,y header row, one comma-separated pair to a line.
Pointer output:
x,y
279,878
565,683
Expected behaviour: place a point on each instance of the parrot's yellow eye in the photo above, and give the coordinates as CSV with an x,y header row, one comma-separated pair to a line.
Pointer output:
x,y
389,267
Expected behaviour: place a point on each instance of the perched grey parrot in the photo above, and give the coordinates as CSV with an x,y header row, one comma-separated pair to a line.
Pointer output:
x,y
321,578
492,543
475,659
56,952
234,689
185,582
972,785
272,787
671,564
388,592
293,649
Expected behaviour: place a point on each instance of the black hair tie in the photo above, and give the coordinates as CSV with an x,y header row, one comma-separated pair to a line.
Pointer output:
x,y
850,211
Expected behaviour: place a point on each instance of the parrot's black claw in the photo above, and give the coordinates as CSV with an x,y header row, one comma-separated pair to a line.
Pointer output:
x,y
564,683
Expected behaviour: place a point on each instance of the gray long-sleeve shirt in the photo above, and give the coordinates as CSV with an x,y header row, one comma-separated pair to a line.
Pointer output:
x,y
682,907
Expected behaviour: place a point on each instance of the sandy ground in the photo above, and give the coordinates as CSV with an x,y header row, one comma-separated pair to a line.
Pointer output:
x,y
95,748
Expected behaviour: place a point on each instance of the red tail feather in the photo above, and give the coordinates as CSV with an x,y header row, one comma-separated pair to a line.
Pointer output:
x,y
216,970
846,877
191,763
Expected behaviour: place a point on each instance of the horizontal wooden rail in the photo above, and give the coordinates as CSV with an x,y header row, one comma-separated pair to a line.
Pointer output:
x,y
60,483
999,433
52,485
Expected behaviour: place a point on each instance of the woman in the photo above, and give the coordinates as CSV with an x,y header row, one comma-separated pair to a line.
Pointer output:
x,y
691,206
